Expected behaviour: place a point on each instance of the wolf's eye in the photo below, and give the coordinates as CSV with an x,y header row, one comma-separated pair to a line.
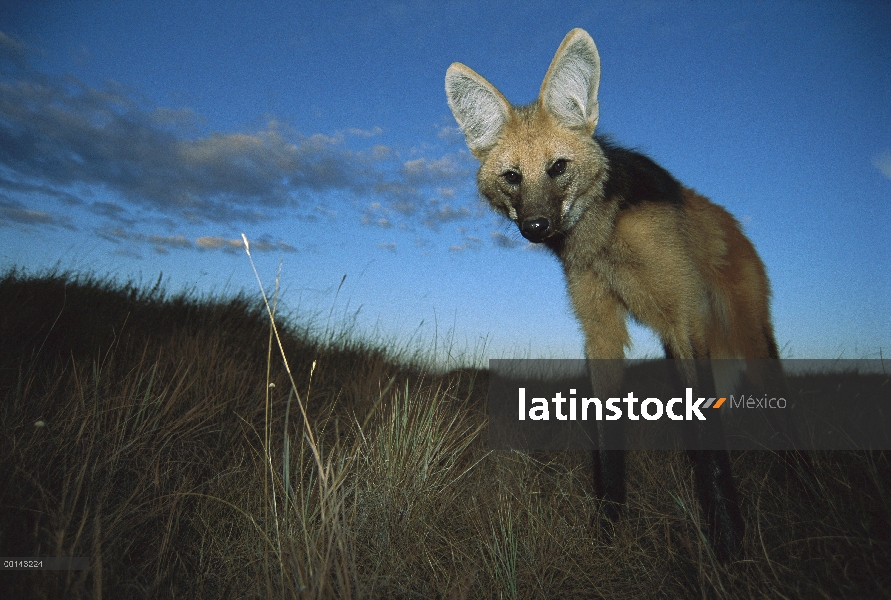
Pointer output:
x,y
557,168
512,177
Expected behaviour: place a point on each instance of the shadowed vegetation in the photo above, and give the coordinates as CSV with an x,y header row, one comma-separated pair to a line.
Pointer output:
x,y
161,438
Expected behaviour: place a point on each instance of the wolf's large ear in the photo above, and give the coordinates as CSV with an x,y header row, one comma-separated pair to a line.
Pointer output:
x,y
480,109
569,90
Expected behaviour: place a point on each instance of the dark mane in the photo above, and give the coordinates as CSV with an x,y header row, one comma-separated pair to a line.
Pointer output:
x,y
635,178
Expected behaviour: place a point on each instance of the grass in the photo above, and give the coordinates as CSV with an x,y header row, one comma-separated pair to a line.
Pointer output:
x,y
163,438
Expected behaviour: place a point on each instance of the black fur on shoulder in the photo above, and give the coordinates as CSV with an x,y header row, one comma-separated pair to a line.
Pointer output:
x,y
635,178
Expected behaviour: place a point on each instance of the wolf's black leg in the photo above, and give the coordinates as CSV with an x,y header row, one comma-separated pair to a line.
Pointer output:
x,y
715,487
707,450
717,495
609,468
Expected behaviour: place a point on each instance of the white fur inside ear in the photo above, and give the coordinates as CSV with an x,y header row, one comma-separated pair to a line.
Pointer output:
x,y
479,108
569,90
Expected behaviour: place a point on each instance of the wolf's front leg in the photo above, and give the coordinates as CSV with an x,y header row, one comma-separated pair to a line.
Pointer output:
x,y
603,320
609,468
707,450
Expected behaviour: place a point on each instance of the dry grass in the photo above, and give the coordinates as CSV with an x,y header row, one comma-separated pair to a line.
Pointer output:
x,y
163,439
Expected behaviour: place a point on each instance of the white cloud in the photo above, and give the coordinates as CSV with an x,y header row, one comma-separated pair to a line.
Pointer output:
x,y
365,133
882,162
445,213
12,211
216,243
503,241
14,50
432,171
165,243
66,141
471,242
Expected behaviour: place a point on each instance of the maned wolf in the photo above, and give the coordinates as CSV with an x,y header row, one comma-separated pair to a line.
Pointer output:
x,y
631,239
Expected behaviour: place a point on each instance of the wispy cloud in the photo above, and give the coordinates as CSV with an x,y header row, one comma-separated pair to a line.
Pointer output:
x,y
217,243
12,211
503,241
68,135
14,51
445,213
882,162
470,242
376,214
64,141
237,244
381,222
451,134
426,171
29,189
365,133
163,244
113,212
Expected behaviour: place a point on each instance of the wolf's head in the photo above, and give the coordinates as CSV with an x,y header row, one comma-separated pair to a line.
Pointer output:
x,y
538,163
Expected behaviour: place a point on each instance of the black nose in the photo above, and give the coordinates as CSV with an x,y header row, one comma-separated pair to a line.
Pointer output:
x,y
536,230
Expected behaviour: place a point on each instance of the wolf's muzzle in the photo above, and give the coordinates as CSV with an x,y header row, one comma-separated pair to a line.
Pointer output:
x,y
536,230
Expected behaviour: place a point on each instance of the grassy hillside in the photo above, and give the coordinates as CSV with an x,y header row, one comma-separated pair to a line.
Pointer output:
x,y
162,438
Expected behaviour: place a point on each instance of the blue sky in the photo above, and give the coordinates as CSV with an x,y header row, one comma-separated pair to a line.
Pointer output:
x,y
139,138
